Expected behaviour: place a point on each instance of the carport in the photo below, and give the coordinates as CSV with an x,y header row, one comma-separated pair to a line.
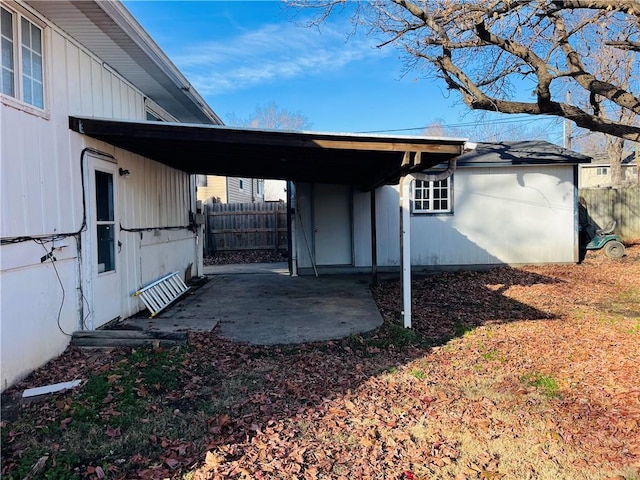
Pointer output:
x,y
363,161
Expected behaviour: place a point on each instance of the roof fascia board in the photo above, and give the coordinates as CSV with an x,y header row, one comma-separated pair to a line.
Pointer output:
x,y
123,18
337,141
506,163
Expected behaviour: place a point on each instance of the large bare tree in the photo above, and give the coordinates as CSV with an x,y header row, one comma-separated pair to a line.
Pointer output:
x,y
489,51
272,117
615,66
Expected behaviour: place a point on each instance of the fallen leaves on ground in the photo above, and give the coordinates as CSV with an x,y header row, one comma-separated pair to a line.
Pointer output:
x,y
246,256
537,378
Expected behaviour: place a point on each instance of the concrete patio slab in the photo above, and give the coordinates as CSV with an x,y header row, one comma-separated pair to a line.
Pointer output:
x,y
269,308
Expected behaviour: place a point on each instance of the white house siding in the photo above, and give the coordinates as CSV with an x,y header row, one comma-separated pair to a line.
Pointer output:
x,y
502,215
589,175
234,194
275,190
246,195
152,196
41,194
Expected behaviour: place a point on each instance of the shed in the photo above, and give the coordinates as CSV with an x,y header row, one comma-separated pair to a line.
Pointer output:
x,y
505,203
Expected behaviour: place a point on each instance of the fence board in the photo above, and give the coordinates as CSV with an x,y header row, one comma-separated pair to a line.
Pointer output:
x,y
619,204
246,226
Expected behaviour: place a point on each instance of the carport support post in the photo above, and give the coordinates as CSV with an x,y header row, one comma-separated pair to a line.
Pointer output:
x,y
405,248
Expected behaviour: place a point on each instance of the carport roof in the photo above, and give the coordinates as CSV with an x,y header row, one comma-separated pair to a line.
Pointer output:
x,y
365,161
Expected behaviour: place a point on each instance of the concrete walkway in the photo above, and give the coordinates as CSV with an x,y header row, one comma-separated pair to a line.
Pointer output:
x,y
270,307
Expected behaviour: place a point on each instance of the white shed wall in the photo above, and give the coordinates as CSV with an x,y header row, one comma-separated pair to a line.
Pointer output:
x,y
502,215
304,224
41,194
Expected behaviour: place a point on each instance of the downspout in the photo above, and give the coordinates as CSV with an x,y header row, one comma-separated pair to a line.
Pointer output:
x,y
405,221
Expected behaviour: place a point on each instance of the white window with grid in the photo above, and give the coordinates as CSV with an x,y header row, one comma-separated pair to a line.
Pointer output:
x,y
432,197
602,171
22,60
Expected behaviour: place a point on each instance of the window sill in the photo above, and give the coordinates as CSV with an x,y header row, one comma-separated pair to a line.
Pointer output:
x,y
24,107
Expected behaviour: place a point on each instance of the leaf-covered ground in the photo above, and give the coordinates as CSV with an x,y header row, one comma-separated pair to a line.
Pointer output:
x,y
247,256
528,373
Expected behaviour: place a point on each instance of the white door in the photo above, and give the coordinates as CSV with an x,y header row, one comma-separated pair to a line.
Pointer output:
x,y
332,224
102,244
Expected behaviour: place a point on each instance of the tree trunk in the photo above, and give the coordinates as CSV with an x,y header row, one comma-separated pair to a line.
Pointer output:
x,y
615,148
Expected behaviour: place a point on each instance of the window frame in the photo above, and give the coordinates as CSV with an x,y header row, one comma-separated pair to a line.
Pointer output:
x,y
602,171
417,185
17,100
157,112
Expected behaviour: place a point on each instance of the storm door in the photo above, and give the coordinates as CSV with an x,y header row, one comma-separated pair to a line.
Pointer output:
x,y
102,242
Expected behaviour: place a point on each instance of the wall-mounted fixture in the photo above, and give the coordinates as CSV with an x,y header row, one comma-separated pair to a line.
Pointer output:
x,y
124,172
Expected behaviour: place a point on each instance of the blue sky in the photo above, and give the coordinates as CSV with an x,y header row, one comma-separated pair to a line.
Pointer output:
x,y
240,55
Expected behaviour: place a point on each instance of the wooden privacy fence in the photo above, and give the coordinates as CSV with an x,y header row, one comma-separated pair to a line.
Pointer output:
x,y
246,226
619,204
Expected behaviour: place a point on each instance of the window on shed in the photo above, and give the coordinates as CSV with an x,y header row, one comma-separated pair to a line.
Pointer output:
x,y
432,197
602,171
22,62
241,184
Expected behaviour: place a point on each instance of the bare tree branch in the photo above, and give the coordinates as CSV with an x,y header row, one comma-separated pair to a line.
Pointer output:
x,y
483,49
628,45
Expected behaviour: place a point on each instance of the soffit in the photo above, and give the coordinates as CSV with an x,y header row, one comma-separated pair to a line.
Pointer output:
x,y
126,48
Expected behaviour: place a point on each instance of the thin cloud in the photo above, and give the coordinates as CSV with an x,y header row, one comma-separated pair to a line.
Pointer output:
x,y
269,54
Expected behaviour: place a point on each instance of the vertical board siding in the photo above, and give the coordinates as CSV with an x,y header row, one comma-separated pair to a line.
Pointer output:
x,y
388,226
143,195
246,226
78,85
362,228
41,194
304,224
619,204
